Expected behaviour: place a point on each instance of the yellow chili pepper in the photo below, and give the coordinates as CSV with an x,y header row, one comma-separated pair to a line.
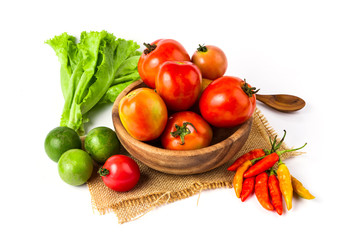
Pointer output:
x,y
300,190
239,176
285,184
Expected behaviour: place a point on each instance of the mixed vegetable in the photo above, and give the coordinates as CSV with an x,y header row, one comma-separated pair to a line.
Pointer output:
x,y
184,99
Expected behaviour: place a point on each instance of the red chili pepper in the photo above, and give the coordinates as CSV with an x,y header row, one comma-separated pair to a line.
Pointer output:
x,y
262,165
275,192
256,153
262,191
248,188
266,162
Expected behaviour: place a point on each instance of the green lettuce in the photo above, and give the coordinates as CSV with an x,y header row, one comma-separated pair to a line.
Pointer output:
x,y
92,72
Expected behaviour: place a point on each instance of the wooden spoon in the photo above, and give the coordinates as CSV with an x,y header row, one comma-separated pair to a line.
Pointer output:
x,y
282,102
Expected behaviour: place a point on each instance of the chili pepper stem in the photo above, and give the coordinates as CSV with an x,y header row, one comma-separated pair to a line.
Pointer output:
x,y
257,159
281,141
290,150
272,171
280,162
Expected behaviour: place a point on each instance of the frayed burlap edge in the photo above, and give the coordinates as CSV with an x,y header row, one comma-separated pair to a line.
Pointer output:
x,y
143,205
147,203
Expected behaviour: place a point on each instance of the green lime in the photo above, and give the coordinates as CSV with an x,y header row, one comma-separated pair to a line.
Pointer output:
x,y
59,140
75,167
102,143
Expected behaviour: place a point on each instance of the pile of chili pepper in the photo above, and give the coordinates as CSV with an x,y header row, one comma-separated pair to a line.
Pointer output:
x,y
262,171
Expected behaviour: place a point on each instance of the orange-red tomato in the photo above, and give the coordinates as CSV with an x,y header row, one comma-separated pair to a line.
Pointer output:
x,y
157,53
227,102
143,114
186,131
211,61
179,84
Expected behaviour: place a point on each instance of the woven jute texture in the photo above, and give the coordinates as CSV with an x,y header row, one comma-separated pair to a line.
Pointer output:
x,y
155,188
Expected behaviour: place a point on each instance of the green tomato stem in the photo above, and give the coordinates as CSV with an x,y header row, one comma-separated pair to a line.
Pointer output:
x,y
149,48
250,91
202,48
103,172
182,131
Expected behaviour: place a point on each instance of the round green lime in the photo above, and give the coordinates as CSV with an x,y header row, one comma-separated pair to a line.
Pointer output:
x,y
75,167
59,140
102,143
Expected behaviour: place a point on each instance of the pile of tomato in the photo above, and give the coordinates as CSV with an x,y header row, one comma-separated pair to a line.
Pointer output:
x,y
176,86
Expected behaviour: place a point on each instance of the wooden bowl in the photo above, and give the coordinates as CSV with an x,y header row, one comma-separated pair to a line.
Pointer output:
x,y
225,144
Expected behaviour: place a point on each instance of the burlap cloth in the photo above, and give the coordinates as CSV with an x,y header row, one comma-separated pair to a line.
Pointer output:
x,y
155,188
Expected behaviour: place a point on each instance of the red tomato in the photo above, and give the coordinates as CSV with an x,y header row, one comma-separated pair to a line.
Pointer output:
x,y
143,114
157,53
227,102
120,173
211,61
179,84
186,131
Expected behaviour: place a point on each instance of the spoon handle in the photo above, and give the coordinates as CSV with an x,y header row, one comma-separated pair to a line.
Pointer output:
x,y
282,102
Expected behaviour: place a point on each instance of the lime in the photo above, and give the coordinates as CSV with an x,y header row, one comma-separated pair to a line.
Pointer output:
x,y
75,167
59,140
102,143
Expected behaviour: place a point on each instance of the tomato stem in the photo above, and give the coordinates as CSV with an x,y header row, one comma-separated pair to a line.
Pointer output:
x,y
103,172
202,48
250,91
182,131
149,48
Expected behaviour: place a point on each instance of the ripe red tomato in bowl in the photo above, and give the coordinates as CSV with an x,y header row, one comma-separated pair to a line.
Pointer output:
x,y
143,114
157,53
186,131
120,173
179,84
211,61
227,102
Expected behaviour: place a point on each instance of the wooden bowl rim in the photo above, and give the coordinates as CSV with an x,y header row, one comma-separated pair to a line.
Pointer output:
x,y
171,153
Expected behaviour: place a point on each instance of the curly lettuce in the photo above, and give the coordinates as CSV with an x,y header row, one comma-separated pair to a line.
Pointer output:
x,y
92,72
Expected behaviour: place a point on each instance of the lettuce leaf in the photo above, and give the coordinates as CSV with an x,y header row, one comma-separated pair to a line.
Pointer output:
x,y
115,90
88,70
125,75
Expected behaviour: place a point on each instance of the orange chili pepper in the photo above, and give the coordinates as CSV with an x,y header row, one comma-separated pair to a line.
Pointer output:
x,y
262,191
239,176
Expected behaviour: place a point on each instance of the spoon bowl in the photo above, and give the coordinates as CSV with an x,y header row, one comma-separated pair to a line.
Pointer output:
x,y
282,102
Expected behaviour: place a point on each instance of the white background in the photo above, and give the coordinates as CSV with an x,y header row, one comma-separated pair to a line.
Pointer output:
x,y
306,48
